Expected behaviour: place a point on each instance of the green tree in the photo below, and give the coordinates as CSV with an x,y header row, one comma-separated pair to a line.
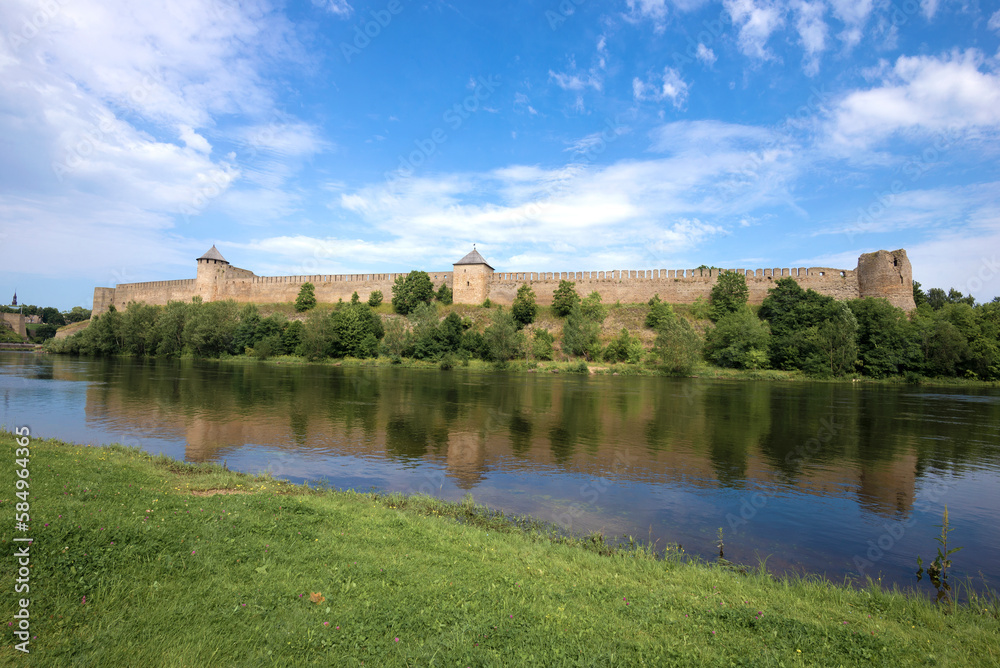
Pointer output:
x,y
306,299
318,337
659,312
524,308
919,296
580,335
936,298
565,298
729,294
410,291
444,295
541,344
291,338
246,335
51,316
502,339
677,346
739,340
77,314
210,328
793,315
593,309
353,328
624,348
396,339
354,298
170,328
139,331
375,298
884,342
835,340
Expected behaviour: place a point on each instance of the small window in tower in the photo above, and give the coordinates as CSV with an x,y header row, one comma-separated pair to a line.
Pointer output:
x,y
467,283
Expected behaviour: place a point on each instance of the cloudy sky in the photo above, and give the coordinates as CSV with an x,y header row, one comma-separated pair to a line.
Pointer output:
x,y
345,136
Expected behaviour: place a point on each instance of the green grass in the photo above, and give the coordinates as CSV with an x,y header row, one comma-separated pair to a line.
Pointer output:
x,y
174,579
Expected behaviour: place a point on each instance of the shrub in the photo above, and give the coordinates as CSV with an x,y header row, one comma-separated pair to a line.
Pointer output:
x,y
375,298
729,294
565,298
444,294
677,346
541,344
411,290
306,299
524,308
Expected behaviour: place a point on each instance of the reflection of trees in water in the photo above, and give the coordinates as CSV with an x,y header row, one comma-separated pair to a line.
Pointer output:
x,y
739,419
579,418
676,412
887,437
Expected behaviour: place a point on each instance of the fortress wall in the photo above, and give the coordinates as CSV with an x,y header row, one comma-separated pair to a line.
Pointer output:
x,y
103,297
329,287
154,292
678,286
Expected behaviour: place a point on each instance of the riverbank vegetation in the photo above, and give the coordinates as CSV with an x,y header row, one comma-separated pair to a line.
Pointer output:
x,y
794,331
139,559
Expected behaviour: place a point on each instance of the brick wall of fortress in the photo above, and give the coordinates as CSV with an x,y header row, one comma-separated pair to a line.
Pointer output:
x,y
678,286
882,273
243,286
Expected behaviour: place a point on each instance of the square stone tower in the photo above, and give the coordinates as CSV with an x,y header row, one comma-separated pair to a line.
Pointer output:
x,y
211,273
471,279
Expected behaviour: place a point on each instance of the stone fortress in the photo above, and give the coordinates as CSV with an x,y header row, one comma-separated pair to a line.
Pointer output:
x,y
883,273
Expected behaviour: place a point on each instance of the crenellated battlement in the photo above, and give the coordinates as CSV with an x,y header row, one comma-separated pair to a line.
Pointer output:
x,y
880,274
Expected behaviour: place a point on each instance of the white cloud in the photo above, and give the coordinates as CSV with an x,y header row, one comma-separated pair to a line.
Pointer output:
x,y
994,23
706,55
339,8
193,140
929,8
757,22
713,176
108,115
575,81
668,86
812,31
854,14
922,94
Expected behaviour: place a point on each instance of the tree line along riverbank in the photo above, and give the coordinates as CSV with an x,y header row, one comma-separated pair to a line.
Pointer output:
x,y
794,332
135,553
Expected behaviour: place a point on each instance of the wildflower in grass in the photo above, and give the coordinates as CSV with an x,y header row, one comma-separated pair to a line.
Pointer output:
x,y
317,597
397,639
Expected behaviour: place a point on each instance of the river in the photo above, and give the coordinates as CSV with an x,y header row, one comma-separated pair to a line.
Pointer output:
x,y
835,479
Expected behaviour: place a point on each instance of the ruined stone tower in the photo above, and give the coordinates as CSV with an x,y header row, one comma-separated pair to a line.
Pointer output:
x,y
887,274
211,273
471,278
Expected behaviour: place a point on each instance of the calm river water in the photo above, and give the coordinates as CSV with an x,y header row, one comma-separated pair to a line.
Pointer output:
x,y
820,478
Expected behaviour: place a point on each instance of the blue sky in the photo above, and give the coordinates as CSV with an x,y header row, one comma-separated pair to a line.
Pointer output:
x,y
341,136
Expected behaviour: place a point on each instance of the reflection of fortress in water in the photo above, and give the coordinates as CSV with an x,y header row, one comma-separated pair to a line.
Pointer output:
x,y
700,435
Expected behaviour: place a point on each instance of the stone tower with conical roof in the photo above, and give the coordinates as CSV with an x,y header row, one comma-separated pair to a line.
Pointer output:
x,y
211,273
471,278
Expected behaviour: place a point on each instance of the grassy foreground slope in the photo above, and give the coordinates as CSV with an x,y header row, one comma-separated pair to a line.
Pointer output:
x,y
133,564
